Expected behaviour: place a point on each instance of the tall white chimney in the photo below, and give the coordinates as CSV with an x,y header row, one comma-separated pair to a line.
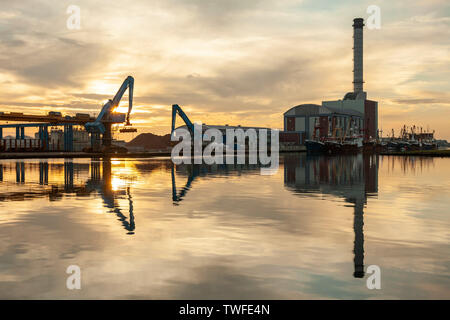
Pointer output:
x,y
358,24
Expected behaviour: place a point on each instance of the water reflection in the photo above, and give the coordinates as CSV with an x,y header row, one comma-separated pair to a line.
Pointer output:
x,y
99,180
202,170
353,178
225,231
177,197
43,173
103,185
409,164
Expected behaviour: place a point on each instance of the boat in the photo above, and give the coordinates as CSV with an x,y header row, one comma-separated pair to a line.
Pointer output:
x,y
370,146
429,146
414,145
352,144
403,145
333,146
345,142
392,145
314,146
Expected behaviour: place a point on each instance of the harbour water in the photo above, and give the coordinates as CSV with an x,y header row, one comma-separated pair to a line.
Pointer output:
x,y
146,230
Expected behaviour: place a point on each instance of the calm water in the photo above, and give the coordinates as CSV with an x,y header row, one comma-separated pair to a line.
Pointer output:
x,y
142,229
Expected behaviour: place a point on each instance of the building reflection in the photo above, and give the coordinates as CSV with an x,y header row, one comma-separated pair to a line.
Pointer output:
x,y
353,178
20,172
407,165
190,172
81,179
43,173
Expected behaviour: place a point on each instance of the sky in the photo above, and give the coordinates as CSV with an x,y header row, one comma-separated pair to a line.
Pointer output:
x,y
225,61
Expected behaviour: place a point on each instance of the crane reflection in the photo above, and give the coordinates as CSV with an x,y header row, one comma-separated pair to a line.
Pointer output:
x,y
103,185
192,171
353,178
57,179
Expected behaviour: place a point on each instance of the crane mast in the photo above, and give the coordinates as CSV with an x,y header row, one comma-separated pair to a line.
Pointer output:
x,y
102,124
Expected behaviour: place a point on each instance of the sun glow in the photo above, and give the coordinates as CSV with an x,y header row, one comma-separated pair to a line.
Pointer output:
x,y
124,174
121,109
117,183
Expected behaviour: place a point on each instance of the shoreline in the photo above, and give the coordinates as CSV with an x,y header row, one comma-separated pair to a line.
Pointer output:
x,y
426,153
72,155
152,154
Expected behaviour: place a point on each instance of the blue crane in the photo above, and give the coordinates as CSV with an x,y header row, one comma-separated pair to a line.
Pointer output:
x,y
176,109
106,115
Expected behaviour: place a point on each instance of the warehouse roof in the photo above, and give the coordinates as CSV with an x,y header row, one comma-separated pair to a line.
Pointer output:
x,y
317,110
224,127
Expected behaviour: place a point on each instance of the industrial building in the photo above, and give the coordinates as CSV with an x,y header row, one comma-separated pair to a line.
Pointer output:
x,y
54,133
69,133
81,139
222,128
311,120
307,121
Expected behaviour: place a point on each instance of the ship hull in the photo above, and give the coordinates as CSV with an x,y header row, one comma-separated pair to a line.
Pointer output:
x,y
314,146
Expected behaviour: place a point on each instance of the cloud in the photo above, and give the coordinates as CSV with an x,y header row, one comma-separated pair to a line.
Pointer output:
x,y
418,101
60,62
245,61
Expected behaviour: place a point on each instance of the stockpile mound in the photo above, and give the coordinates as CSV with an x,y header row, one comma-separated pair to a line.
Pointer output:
x,y
150,141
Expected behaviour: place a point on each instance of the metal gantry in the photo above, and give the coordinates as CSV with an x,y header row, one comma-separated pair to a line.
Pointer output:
x,y
43,136
97,127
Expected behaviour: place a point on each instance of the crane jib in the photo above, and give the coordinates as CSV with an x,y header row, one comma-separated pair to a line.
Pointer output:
x,y
107,110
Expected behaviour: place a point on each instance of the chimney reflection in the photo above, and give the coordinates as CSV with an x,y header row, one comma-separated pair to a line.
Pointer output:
x,y
354,178
358,248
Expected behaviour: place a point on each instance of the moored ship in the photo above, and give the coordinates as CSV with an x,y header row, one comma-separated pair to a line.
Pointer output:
x,y
332,145
314,146
411,140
